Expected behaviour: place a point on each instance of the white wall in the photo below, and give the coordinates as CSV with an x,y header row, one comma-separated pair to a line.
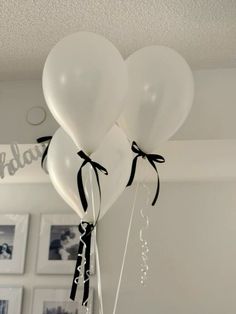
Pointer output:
x,y
192,252
192,248
213,111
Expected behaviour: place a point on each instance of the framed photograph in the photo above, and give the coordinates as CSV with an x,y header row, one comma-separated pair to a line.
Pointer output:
x,y
10,300
13,239
58,245
57,301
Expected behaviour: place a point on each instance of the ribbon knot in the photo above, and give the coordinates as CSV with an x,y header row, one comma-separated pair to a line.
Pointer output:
x,y
152,158
96,167
85,230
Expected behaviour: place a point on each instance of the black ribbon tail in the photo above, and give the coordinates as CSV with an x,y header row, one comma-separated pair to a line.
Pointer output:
x,y
97,178
41,140
87,270
77,271
85,229
157,190
81,188
133,170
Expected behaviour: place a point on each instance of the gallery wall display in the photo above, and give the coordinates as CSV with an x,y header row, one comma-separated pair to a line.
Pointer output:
x,y
54,301
10,300
58,244
13,240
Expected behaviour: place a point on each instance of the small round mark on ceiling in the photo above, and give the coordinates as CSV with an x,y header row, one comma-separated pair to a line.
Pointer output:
x,y
36,115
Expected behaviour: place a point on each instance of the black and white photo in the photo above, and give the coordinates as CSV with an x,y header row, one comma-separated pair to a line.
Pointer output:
x,y
60,308
4,306
13,241
58,244
7,235
10,300
57,301
64,242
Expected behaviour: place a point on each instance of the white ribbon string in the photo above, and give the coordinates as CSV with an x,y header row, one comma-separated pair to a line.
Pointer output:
x,y
125,250
76,280
143,240
99,278
144,249
100,298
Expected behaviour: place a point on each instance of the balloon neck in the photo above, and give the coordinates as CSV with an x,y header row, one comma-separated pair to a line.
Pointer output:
x,y
85,152
89,221
88,153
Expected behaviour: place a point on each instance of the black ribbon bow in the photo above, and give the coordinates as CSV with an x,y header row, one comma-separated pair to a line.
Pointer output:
x,y
152,158
41,140
85,229
96,166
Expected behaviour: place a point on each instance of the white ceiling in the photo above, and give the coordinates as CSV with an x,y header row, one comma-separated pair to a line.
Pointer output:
x,y
203,31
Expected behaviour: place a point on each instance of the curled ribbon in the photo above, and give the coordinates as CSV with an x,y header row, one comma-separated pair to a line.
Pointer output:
x,y
96,166
144,247
152,158
85,229
44,139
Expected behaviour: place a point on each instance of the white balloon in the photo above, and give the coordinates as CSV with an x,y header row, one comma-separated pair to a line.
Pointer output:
x,y
84,82
159,97
63,164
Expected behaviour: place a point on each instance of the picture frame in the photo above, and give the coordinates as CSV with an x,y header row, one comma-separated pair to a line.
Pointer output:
x,y
13,242
11,300
58,244
57,301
